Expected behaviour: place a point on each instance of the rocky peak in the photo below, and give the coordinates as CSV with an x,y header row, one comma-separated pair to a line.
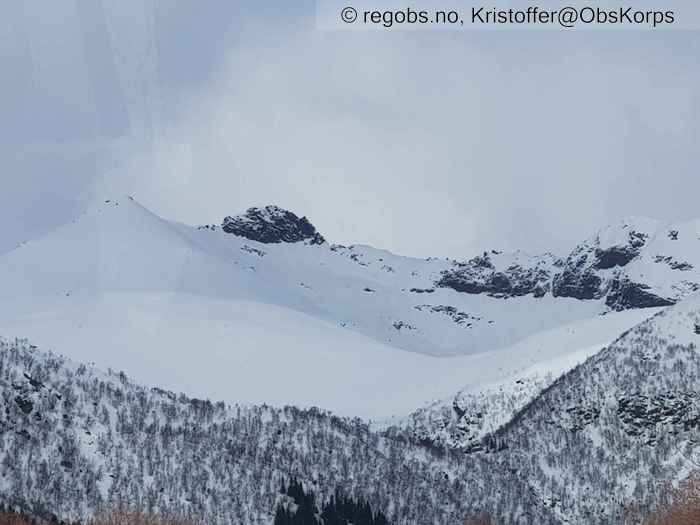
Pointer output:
x,y
271,225
630,264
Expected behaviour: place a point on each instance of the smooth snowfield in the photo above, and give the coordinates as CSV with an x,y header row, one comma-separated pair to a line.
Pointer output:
x,y
249,352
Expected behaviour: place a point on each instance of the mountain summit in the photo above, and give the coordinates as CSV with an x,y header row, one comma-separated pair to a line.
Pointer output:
x,y
272,225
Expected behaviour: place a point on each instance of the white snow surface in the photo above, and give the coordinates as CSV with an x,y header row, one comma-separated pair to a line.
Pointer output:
x,y
214,315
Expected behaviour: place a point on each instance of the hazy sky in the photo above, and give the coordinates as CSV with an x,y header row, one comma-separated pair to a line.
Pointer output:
x,y
426,143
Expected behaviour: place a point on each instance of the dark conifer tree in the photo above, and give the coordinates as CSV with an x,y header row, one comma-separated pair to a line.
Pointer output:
x,y
339,510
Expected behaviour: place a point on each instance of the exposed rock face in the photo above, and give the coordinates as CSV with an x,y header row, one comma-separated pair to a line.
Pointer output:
x,y
621,254
24,404
271,225
459,317
577,283
613,256
644,415
673,264
583,275
624,294
597,269
501,276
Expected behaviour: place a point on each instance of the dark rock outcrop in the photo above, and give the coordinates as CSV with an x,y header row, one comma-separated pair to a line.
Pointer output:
x,y
620,255
580,277
271,225
480,275
459,317
673,264
24,404
625,294
576,283
644,415
595,269
613,256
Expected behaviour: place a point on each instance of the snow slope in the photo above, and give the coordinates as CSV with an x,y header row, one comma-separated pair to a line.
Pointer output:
x,y
222,316
252,352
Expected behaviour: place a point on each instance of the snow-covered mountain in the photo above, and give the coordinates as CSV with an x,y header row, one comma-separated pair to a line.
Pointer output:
x,y
505,370
229,311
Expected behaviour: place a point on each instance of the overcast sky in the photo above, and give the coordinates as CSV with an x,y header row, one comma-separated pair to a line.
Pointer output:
x,y
425,143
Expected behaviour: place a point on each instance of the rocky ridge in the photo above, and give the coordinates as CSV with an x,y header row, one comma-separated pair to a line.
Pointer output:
x,y
611,266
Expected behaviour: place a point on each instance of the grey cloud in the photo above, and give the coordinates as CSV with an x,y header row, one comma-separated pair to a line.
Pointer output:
x,y
425,143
